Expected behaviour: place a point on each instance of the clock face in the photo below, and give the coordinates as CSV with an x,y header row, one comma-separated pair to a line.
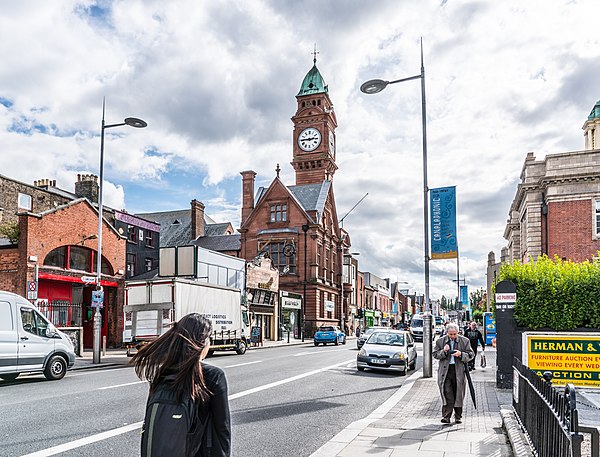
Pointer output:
x,y
309,139
331,142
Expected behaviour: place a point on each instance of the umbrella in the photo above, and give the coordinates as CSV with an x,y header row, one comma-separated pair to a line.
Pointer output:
x,y
470,383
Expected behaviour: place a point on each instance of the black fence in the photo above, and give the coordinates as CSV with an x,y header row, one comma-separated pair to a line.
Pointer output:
x,y
62,313
548,415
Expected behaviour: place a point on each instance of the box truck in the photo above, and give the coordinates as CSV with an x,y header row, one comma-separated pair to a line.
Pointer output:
x,y
152,306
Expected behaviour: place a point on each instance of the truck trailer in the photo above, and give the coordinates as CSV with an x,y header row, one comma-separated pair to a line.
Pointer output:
x,y
152,306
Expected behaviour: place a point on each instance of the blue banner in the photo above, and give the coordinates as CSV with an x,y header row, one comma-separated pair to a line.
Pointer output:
x,y
464,296
489,325
444,244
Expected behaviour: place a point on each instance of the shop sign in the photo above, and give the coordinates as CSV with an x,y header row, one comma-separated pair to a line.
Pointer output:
x,y
369,313
291,303
377,313
571,357
88,279
329,305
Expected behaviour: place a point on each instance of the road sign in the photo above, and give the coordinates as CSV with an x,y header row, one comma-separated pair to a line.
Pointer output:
x,y
506,298
97,298
88,279
32,295
32,285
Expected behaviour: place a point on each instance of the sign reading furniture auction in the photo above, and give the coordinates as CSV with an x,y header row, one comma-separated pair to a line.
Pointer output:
x,y
571,357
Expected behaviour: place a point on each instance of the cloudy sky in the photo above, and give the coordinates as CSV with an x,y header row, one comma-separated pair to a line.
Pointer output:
x,y
216,82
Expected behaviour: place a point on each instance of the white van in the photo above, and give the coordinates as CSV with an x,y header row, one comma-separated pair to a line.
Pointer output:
x,y
29,343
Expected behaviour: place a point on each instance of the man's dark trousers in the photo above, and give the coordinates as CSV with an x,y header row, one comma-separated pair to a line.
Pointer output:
x,y
450,394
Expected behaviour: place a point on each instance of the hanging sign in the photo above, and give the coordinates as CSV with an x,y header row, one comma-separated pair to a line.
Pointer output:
x,y
444,244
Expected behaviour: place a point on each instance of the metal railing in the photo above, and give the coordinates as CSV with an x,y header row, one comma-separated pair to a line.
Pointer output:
x,y
62,313
549,416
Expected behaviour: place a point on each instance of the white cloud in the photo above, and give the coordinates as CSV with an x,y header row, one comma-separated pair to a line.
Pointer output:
x,y
216,82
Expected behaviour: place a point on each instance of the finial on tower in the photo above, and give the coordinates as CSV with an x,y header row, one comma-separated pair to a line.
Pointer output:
x,y
326,175
314,53
277,170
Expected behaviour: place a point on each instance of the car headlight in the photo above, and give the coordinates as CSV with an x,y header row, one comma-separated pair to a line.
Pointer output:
x,y
398,355
362,352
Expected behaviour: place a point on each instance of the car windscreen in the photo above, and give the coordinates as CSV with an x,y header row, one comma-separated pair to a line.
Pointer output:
x,y
386,338
326,328
417,323
439,320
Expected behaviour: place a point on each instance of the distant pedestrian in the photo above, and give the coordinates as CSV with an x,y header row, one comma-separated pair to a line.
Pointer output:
x,y
475,337
453,351
178,379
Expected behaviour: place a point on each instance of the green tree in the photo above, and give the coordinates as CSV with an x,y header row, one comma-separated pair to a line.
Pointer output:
x,y
10,230
444,302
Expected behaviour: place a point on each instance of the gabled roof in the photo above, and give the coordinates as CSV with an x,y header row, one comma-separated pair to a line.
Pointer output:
x,y
175,226
220,243
312,197
217,229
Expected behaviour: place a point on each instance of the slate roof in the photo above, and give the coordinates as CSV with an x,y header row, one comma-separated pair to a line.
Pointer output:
x,y
216,229
145,275
312,197
175,226
220,243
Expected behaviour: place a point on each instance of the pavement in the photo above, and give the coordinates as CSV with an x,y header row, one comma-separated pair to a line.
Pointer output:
x,y
409,423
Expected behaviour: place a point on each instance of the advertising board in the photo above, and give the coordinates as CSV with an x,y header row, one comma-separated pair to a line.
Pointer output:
x,y
571,357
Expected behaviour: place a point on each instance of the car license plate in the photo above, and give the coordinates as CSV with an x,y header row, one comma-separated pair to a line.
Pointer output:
x,y
379,361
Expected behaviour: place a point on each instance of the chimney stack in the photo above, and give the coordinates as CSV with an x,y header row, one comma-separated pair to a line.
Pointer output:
x,y
247,194
197,218
87,186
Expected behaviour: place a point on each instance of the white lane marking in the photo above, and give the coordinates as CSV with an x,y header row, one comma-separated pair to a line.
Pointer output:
x,y
121,385
285,381
131,427
316,352
84,441
351,365
242,364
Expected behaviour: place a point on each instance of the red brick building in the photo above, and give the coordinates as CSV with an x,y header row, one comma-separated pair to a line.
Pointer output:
x,y
556,210
57,250
297,226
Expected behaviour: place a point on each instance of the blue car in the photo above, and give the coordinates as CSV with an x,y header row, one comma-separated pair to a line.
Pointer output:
x,y
329,334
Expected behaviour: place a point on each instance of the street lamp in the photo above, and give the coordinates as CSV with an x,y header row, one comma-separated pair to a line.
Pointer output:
x,y
305,228
132,122
372,87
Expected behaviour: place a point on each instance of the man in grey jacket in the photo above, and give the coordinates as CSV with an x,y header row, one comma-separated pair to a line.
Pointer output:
x,y
453,352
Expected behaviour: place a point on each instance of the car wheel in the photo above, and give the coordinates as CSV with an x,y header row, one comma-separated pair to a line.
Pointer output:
x,y
413,365
241,347
210,352
337,341
9,376
403,373
316,344
344,342
360,368
56,368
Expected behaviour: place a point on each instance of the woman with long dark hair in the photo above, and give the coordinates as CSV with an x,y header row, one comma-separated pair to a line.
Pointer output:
x,y
173,366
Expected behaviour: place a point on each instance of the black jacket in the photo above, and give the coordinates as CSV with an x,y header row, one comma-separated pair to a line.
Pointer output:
x,y
474,337
217,408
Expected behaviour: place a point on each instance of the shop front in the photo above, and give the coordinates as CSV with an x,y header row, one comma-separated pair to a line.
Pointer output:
x,y
262,287
291,319
369,318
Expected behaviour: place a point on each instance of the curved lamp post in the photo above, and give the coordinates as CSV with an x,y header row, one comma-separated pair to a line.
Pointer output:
x,y
132,122
375,86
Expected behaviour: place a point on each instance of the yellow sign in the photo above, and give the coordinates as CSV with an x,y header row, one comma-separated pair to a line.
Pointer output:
x,y
572,358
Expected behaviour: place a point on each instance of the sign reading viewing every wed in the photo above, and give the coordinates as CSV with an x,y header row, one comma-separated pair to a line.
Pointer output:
x,y
571,357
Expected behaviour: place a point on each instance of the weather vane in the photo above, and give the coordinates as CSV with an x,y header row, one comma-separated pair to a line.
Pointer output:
x,y
314,53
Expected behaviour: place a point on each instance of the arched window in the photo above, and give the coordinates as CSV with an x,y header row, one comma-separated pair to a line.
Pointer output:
x,y
76,258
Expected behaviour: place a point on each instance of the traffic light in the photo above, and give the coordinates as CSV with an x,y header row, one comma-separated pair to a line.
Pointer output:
x,y
359,313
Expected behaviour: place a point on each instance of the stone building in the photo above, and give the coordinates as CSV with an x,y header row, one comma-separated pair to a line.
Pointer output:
x,y
556,209
297,225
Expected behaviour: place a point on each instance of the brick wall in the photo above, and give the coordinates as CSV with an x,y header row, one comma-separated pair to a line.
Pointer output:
x,y
570,230
9,267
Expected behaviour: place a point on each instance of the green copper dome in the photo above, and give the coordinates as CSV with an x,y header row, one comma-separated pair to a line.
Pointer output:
x,y
313,83
595,114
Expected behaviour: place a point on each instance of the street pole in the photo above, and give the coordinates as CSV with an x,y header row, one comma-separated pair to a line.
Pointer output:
x,y
372,87
305,228
132,122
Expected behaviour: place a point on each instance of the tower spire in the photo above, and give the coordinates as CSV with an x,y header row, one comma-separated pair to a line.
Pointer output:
x,y
314,53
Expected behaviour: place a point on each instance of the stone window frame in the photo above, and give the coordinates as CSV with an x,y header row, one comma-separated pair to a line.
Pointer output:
x,y
278,212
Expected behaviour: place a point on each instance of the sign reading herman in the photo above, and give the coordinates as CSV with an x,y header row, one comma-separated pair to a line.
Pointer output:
x,y
443,223
571,357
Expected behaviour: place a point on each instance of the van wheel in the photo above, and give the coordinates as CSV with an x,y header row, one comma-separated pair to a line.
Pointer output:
x,y
56,368
210,352
241,347
9,376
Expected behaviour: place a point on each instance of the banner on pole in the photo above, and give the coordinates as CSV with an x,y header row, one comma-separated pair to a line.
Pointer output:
x,y
464,295
444,244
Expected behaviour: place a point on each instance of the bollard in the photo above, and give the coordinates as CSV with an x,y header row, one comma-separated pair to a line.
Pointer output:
x,y
288,336
104,345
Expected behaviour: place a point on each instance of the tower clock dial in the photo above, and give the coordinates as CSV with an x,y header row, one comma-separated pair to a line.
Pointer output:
x,y
309,139
331,143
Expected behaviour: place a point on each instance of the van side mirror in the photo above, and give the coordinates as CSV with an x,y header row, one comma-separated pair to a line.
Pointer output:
x,y
51,332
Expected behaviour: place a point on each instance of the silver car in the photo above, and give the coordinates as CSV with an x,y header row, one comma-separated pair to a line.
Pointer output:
x,y
391,350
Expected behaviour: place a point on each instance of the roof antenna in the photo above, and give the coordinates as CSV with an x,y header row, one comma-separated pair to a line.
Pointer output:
x,y
314,53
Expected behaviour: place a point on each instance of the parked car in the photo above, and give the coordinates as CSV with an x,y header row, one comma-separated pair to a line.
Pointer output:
x,y
329,334
416,328
439,325
392,350
366,334
29,343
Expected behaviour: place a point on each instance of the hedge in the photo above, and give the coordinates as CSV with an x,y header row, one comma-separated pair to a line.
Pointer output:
x,y
555,294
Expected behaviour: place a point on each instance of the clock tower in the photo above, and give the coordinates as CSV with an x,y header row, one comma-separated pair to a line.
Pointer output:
x,y
314,131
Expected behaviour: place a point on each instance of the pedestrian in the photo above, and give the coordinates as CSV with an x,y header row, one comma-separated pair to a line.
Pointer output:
x,y
453,352
173,366
475,338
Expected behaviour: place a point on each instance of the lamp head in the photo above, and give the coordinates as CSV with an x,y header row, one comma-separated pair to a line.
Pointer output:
x,y
373,86
135,122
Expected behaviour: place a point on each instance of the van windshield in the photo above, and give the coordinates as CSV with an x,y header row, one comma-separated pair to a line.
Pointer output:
x,y
416,323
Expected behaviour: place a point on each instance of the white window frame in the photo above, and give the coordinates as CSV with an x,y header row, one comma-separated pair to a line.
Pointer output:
x,y
22,198
595,218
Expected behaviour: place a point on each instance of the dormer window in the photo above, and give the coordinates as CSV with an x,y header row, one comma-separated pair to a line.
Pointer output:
x,y
279,212
176,222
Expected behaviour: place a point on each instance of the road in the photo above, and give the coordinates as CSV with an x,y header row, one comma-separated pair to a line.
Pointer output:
x,y
284,401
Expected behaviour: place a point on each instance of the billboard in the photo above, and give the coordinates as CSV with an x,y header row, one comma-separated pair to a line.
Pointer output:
x,y
444,244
